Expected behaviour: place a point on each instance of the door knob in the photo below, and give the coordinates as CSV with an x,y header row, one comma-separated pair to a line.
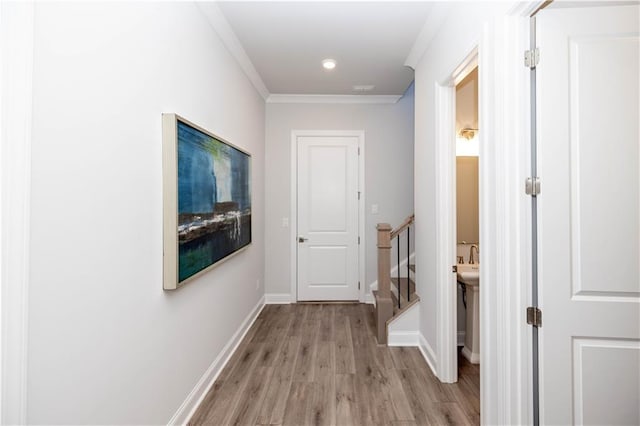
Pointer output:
x,y
302,239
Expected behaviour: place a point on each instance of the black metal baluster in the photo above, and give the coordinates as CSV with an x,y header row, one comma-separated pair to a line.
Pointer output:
x,y
408,266
398,287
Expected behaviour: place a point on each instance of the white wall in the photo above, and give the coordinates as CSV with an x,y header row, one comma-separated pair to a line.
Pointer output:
x,y
456,39
388,172
106,344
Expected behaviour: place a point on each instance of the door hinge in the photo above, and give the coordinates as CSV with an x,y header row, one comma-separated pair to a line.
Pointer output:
x,y
358,285
358,239
358,195
454,268
534,316
531,58
532,186
358,150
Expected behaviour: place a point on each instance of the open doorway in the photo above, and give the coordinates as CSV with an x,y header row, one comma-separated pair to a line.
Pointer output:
x,y
454,129
467,240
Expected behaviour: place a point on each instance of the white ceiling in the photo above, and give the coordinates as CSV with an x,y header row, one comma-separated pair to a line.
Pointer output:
x,y
287,41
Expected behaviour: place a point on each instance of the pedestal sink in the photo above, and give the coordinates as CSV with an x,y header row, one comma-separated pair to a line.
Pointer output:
x,y
469,276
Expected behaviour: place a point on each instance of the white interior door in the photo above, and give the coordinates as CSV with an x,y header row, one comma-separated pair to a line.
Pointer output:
x,y
589,215
327,218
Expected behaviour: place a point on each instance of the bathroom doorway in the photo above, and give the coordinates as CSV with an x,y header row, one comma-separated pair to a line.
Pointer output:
x,y
467,223
449,129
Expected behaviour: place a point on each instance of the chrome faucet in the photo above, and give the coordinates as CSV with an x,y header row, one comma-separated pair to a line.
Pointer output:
x,y
471,258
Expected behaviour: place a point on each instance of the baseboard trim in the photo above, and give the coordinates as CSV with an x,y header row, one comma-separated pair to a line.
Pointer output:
x,y
461,336
428,353
277,298
470,356
403,338
195,397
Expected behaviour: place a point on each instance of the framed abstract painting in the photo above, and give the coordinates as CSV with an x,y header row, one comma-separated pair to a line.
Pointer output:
x,y
206,198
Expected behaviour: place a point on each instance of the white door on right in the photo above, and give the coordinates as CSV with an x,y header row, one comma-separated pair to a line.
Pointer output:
x,y
589,214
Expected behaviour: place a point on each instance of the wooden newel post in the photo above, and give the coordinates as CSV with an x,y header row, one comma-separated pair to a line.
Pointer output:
x,y
384,259
384,304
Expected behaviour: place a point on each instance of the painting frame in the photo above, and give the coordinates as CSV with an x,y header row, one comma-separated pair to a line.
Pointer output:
x,y
175,233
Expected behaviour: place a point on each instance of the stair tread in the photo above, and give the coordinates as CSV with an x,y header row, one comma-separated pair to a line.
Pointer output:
x,y
403,285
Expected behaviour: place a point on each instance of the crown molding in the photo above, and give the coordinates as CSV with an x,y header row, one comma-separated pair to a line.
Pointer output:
x,y
220,25
332,99
436,18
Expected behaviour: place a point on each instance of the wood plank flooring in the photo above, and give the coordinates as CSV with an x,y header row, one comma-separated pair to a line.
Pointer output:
x,y
306,364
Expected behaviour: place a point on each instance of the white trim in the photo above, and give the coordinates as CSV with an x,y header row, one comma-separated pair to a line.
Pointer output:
x,y
16,97
466,66
446,247
294,203
505,220
403,338
362,274
369,299
276,98
200,390
293,219
403,329
525,9
220,25
278,298
461,336
436,18
470,356
396,318
427,352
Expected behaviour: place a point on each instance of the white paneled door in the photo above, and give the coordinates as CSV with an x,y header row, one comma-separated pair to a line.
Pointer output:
x,y
589,214
327,171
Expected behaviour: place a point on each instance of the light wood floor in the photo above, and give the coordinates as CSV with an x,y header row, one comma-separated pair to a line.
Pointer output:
x,y
306,364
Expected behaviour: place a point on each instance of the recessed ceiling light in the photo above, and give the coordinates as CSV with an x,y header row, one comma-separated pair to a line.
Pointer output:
x,y
329,64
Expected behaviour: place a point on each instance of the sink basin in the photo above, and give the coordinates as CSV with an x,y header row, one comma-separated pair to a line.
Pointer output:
x,y
469,274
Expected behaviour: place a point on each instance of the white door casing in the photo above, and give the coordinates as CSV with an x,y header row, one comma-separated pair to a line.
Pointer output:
x,y
16,105
327,217
505,222
447,339
589,214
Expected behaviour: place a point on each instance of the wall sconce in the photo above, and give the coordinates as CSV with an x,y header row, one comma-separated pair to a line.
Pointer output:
x,y
467,133
468,143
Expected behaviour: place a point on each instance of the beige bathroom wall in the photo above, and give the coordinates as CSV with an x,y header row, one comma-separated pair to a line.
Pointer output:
x,y
467,102
467,199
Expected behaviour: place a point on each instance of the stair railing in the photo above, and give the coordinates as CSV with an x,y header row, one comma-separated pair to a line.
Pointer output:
x,y
384,301
405,226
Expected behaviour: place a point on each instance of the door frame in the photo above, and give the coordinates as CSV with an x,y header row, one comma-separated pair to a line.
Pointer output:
x,y
447,292
505,219
16,104
293,216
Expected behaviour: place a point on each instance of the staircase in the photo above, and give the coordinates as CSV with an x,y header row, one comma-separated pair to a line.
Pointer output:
x,y
397,294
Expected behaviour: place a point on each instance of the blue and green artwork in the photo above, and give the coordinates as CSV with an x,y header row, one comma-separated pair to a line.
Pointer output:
x,y
214,200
